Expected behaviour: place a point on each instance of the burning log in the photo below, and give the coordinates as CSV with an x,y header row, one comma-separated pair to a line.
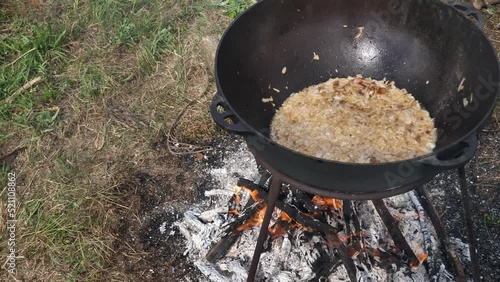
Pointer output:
x,y
328,231
344,255
303,200
344,241
357,240
233,232
234,203
292,211
281,226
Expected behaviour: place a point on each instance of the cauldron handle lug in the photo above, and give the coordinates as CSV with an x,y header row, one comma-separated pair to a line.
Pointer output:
x,y
221,117
468,10
469,146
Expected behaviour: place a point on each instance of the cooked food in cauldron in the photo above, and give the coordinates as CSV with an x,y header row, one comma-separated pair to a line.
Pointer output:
x,y
354,119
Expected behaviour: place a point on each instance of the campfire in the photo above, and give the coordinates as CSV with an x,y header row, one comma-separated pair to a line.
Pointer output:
x,y
316,238
341,240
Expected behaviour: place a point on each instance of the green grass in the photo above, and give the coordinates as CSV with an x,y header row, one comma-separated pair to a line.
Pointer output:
x,y
102,29
234,8
491,219
32,52
141,54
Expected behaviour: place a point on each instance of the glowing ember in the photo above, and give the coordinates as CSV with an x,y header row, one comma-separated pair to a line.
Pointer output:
x,y
284,223
278,229
421,255
324,203
285,217
234,211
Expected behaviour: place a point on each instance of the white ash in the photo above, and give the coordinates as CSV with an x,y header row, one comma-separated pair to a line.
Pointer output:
x,y
163,227
239,162
291,256
461,247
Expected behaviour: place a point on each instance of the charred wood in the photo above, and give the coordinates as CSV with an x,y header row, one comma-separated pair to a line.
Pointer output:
x,y
343,251
352,221
328,231
443,235
358,239
348,214
396,234
221,248
430,265
325,265
264,178
292,211
303,199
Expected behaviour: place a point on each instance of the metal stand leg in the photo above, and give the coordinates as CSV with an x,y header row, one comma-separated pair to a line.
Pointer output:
x,y
274,192
476,272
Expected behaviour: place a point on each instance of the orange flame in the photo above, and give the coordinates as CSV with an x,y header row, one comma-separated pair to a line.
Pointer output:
x,y
293,223
233,211
253,193
285,217
324,203
277,230
421,255
255,220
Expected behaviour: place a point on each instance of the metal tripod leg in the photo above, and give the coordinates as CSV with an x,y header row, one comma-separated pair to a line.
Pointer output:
x,y
476,272
274,192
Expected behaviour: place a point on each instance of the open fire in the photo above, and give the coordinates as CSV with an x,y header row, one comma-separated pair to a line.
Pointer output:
x,y
311,238
324,217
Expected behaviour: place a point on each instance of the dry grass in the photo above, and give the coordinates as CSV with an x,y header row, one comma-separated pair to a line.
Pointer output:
x,y
123,81
489,156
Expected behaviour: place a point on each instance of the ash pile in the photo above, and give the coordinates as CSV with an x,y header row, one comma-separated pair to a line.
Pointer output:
x,y
311,238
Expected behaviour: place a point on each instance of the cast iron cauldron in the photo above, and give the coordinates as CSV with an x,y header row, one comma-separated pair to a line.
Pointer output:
x,y
425,46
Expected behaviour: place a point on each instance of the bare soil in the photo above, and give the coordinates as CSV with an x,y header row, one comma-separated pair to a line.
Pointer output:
x,y
484,189
143,250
